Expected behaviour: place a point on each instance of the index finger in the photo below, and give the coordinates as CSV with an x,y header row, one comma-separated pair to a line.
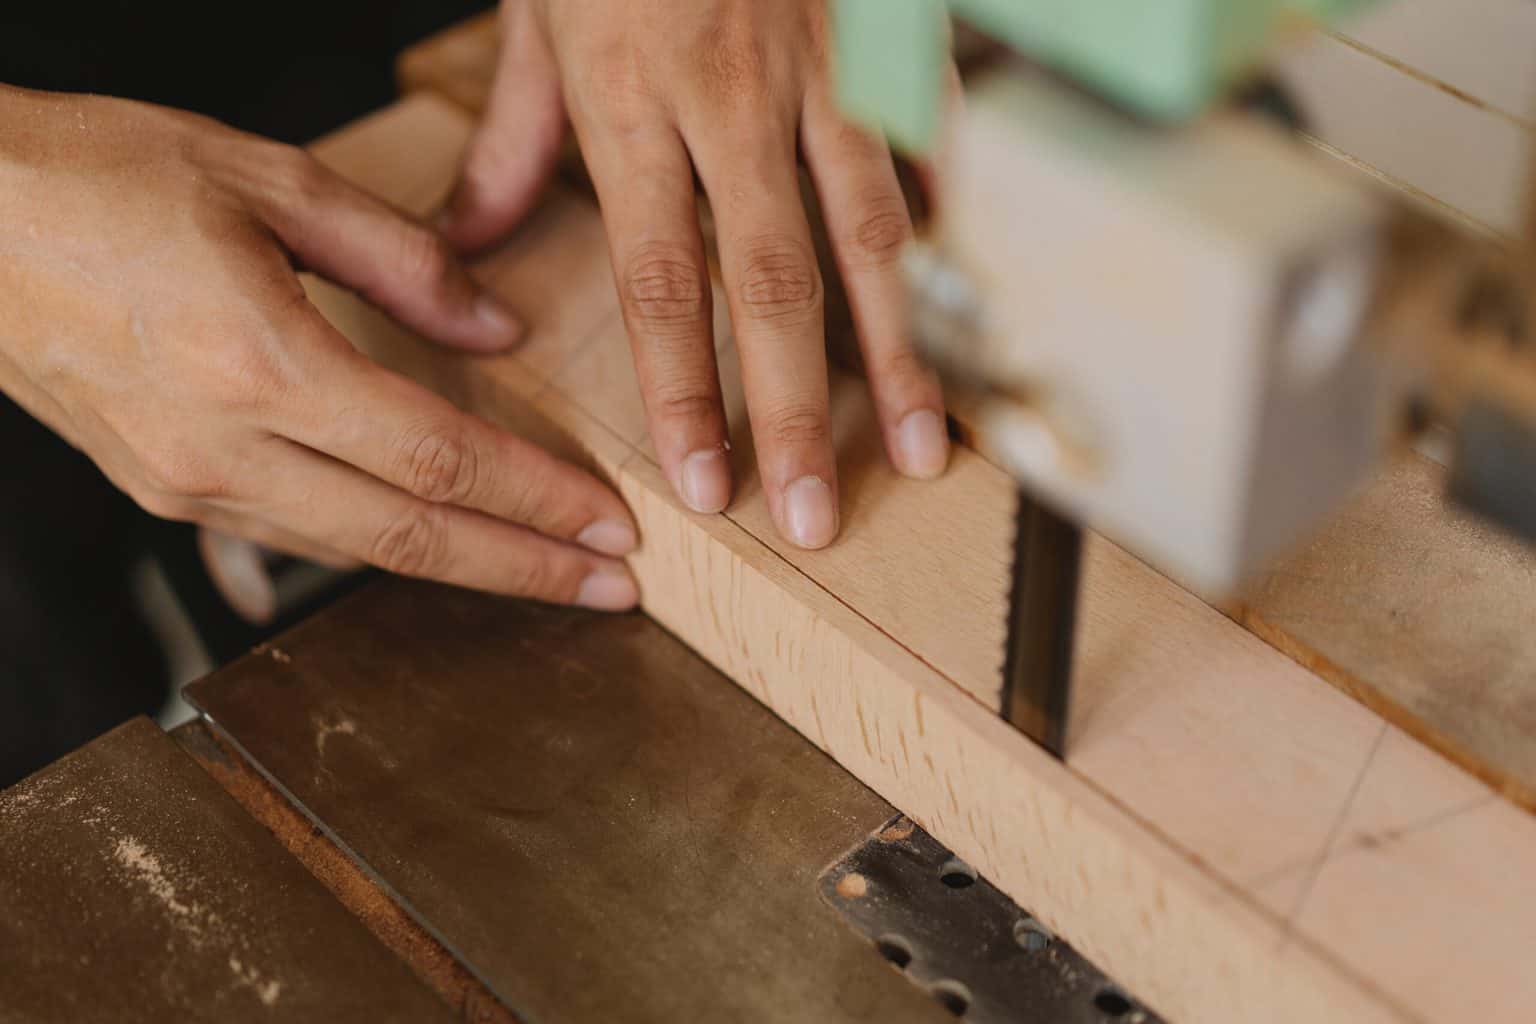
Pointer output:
x,y
400,432
775,294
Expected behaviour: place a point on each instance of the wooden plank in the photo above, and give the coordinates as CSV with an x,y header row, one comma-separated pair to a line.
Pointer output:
x,y
134,889
1204,761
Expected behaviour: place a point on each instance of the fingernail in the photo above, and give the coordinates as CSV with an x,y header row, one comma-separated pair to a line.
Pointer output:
x,y
922,444
609,588
507,328
809,512
707,481
609,537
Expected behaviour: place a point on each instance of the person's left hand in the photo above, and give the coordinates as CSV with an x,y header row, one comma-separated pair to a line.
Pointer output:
x,y
736,90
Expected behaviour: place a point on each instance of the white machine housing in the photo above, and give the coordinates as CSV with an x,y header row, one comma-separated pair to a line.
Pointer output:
x,y
1175,319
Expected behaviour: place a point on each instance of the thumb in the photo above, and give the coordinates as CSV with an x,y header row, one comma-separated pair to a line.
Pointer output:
x,y
403,267
517,143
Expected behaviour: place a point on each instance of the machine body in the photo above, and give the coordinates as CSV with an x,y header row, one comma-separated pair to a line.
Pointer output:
x,y
1172,321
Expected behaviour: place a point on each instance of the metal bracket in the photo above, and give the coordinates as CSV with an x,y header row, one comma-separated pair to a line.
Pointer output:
x,y
957,936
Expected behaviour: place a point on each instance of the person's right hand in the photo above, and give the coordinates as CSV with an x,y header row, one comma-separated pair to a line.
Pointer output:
x,y
150,313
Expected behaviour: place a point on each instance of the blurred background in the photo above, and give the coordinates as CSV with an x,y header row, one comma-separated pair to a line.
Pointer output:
x,y
105,611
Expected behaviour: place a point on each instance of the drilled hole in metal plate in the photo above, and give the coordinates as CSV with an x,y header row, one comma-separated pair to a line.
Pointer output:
x,y
1031,935
1112,1003
957,874
953,996
895,949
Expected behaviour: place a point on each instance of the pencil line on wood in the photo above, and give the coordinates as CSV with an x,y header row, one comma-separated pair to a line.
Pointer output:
x,y
1323,855
1367,840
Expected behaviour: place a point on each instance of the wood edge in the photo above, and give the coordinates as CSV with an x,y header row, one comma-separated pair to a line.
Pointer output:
x,y
1379,703
427,959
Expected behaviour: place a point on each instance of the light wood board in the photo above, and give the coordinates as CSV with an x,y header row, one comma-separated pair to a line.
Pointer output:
x,y
1437,98
1215,788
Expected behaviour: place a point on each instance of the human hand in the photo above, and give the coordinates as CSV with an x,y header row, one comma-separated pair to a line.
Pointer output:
x,y
736,90
150,312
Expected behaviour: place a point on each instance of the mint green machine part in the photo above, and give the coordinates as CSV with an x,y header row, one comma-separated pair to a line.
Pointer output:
x,y
890,63
1166,60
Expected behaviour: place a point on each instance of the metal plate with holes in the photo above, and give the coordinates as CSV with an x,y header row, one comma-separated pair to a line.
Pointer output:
x,y
959,938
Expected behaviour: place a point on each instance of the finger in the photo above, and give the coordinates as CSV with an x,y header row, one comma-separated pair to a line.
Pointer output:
x,y
222,529
339,507
775,295
401,266
645,183
239,573
398,431
517,143
869,227
234,549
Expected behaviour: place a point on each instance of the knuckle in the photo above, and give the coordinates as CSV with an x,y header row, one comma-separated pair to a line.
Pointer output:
x,y
423,256
530,502
733,61
412,544
615,89
686,404
296,173
664,289
881,232
245,377
535,576
903,364
441,465
162,504
799,425
180,475
854,142
780,282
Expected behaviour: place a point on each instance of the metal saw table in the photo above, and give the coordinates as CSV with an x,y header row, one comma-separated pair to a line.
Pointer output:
x,y
545,814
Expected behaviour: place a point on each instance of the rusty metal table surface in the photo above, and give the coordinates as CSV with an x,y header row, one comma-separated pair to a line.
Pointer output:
x,y
133,888
599,824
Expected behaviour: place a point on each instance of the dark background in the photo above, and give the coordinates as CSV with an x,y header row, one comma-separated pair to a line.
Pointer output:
x,y
76,655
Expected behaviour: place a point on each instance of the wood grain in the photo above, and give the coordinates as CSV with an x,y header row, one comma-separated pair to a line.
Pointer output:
x,y
1206,766
1422,613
